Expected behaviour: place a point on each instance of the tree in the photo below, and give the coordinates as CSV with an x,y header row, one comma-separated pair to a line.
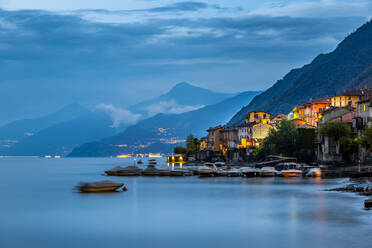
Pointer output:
x,y
338,131
180,150
191,144
283,139
366,140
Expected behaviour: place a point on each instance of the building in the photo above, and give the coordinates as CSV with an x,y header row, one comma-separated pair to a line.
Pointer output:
x,y
214,142
350,98
229,137
310,112
257,116
277,119
203,144
365,111
360,123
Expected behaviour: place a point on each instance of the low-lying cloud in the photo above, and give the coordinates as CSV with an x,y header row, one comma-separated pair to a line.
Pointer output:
x,y
119,115
170,107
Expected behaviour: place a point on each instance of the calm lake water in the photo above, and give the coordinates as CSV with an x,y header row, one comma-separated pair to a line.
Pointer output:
x,y
39,208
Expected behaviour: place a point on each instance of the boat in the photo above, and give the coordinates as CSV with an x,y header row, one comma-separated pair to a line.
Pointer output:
x,y
127,171
164,171
140,161
268,172
249,172
291,173
150,171
152,161
101,186
207,170
234,173
314,172
219,164
180,173
221,173
368,203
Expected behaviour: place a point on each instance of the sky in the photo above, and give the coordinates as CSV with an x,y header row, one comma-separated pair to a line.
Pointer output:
x,y
119,52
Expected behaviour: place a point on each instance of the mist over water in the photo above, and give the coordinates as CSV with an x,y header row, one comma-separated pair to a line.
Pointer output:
x,y
39,208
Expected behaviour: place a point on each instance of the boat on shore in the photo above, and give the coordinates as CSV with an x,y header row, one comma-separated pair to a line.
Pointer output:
x,y
151,171
268,172
249,172
101,186
127,171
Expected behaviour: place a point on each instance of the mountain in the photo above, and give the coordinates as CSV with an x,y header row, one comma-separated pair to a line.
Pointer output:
x,y
349,66
162,132
15,131
63,137
182,97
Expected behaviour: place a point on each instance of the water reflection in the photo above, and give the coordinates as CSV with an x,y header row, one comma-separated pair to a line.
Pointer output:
x,y
41,210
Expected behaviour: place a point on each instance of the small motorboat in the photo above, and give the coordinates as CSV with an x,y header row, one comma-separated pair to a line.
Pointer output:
x,y
207,170
219,164
150,171
249,172
221,173
140,161
268,172
291,173
180,173
101,186
164,171
234,173
314,172
127,171
152,161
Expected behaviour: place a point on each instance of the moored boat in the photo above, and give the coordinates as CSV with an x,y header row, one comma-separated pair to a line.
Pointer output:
x,y
180,173
291,173
268,172
150,171
234,173
249,171
207,170
152,161
164,171
127,171
101,186
140,161
314,172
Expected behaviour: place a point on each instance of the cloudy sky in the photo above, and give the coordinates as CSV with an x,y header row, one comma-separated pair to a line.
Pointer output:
x,y
122,51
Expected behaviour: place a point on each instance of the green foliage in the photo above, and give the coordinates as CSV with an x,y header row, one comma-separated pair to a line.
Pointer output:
x,y
191,145
335,130
180,150
366,139
287,140
283,140
351,145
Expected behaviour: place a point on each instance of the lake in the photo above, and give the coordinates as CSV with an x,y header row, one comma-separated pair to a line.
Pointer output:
x,y
40,208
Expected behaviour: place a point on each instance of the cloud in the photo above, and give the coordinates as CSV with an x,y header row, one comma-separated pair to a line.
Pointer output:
x,y
181,6
170,107
119,115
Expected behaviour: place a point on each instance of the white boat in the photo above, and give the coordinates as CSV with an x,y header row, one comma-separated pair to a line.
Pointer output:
x,y
314,172
234,173
291,173
207,170
268,172
219,164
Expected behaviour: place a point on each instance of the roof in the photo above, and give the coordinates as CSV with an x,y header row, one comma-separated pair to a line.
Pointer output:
x,y
321,101
358,92
368,99
330,109
258,111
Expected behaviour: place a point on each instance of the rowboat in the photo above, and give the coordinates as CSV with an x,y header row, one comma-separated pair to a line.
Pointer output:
x,y
101,186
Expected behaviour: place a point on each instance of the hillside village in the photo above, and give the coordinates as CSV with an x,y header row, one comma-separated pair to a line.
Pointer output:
x,y
352,108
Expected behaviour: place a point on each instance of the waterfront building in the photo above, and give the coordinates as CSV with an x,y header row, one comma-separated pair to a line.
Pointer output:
x,y
360,123
275,121
350,98
214,142
229,137
203,143
257,116
310,112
